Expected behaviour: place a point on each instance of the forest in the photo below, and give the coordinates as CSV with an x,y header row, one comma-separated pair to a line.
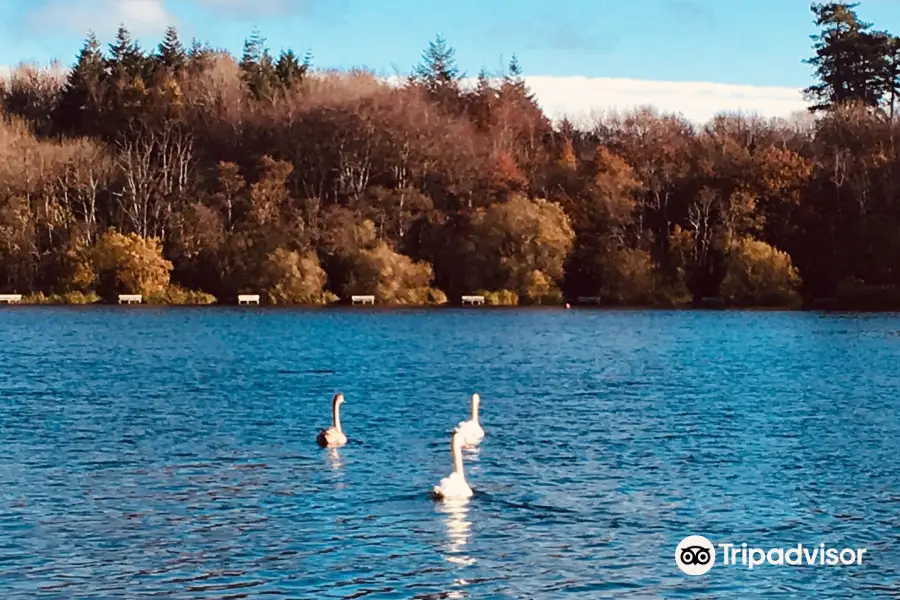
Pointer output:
x,y
191,176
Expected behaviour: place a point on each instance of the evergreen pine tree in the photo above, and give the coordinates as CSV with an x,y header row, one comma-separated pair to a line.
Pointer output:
x,y
850,60
199,57
438,74
170,53
438,68
126,60
514,71
289,69
257,67
483,82
79,106
482,99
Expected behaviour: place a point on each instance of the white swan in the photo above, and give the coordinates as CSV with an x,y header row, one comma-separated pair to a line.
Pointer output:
x,y
333,437
454,486
471,430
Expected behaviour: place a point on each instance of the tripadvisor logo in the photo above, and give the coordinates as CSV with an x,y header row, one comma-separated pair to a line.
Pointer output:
x,y
696,555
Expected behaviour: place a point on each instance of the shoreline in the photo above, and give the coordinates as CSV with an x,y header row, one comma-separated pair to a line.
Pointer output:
x,y
437,308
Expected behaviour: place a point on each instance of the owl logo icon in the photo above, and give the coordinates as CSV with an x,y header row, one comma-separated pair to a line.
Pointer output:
x,y
695,555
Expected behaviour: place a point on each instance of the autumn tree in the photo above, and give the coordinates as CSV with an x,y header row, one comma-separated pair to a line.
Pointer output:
x,y
522,241
393,278
33,95
294,278
607,260
129,263
222,175
759,275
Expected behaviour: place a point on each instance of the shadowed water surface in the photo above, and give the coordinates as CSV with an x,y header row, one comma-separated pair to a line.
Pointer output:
x,y
170,453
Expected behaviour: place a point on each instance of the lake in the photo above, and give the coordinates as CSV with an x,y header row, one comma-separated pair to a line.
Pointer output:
x,y
171,452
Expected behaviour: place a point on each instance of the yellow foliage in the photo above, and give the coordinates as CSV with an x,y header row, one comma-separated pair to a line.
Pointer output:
x,y
421,296
782,168
500,298
344,235
759,275
167,92
179,296
270,192
81,275
681,247
567,159
64,298
435,296
524,235
612,174
294,278
137,263
392,277
540,289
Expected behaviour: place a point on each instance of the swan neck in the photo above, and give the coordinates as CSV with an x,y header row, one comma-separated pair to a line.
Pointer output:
x,y
336,415
456,451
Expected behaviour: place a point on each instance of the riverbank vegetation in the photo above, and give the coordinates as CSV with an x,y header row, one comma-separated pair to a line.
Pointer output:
x,y
187,175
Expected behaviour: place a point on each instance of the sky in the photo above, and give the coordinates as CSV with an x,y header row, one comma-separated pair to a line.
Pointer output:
x,y
580,57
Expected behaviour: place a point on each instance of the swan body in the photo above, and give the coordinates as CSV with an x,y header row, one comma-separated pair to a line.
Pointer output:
x,y
454,486
333,437
471,430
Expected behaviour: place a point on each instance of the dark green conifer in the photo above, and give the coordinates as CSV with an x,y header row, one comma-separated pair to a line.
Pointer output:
x,y
79,105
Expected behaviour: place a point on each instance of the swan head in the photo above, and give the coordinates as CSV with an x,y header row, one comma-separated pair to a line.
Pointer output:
x,y
338,399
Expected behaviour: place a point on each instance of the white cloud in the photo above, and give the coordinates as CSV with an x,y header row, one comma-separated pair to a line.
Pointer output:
x,y
581,98
259,7
142,17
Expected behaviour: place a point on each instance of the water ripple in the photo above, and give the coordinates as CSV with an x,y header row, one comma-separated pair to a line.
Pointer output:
x,y
171,454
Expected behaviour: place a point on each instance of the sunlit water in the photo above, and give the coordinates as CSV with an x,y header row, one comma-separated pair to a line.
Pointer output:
x,y
171,453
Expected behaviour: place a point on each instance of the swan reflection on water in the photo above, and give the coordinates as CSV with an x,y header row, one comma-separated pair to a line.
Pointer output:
x,y
334,459
336,462
458,527
471,455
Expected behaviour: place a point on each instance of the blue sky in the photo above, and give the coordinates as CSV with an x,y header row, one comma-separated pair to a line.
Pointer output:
x,y
754,42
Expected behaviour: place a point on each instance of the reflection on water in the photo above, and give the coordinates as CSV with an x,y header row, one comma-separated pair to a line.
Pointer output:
x,y
455,513
458,526
334,459
171,453
336,463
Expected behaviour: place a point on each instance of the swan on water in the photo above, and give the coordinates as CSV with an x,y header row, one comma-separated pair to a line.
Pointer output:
x,y
454,486
333,437
471,430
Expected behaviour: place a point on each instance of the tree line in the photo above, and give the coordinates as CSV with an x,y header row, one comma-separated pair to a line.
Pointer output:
x,y
188,175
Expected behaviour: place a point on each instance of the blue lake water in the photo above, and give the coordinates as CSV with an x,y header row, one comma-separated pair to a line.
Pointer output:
x,y
171,452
